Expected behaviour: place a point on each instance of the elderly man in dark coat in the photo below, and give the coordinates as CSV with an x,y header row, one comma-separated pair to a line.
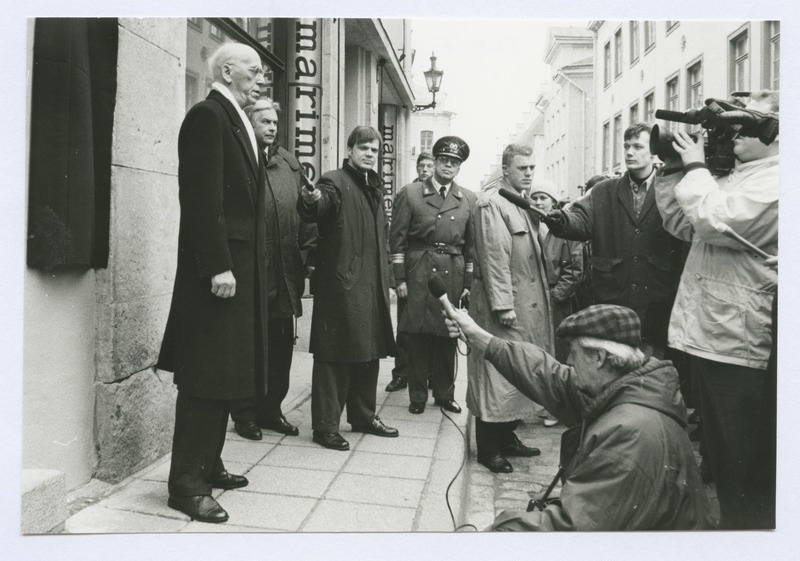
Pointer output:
x,y
215,340
431,234
635,261
351,326
290,246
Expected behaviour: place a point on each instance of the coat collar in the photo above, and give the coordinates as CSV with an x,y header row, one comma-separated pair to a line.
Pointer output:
x,y
452,200
240,132
626,197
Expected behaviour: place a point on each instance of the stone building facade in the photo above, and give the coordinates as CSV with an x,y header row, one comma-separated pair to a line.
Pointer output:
x,y
94,406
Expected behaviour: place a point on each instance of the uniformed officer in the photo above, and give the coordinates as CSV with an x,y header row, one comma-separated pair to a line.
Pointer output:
x,y
431,234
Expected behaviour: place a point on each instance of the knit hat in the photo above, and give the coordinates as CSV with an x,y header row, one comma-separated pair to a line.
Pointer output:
x,y
604,321
546,187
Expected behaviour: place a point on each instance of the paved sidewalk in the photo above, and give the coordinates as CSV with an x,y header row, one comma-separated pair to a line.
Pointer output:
x,y
489,494
379,485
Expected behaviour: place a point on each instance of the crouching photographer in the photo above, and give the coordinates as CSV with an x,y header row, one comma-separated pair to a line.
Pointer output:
x,y
626,463
721,317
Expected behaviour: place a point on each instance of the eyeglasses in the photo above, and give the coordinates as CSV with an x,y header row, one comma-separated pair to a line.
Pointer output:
x,y
447,160
255,71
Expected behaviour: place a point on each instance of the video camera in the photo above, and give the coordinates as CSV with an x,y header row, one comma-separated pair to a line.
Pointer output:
x,y
723,121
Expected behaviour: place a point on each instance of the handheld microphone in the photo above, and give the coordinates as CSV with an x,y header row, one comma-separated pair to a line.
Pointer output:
x,y
519,200
725,230
437,287
307,182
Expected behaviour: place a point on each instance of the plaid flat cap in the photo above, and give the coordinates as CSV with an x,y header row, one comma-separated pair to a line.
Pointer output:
x,y
604,321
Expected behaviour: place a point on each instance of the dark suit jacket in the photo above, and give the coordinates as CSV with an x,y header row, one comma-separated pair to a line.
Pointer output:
x,y
217,347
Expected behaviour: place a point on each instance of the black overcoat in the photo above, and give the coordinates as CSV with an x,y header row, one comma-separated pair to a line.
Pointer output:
x,y
351,321
217,346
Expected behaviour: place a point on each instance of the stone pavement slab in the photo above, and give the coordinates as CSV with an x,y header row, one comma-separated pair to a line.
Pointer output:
x,y
380,485
342,516
388,465
371,489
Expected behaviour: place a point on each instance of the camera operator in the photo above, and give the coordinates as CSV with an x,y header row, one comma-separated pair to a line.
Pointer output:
x,y
627,461
721,316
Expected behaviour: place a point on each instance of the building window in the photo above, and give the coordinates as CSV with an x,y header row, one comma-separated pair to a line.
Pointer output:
x,y
215,32
740,62
772,54
671,26
606,140
607,64
425,141
694,84
618,53
650,107
634,39
649,35
617,143
195,23
672,97
633,114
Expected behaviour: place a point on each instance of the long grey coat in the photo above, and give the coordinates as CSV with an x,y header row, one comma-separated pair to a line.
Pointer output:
x,y
509,274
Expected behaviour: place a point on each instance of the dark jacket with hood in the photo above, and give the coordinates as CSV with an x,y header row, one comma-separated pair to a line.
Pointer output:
x,y
632,466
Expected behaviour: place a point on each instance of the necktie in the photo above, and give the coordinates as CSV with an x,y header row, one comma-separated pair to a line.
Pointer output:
x,y
442,191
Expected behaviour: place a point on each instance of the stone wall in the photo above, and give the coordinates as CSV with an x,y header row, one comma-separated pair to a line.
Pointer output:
x,y
134,404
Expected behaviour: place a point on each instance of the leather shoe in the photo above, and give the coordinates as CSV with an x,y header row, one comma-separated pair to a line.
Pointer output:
x,y
497,464
199,507
398,383
377,428
229,481
517,448
279,424
416,407
332,440
448,405
247,429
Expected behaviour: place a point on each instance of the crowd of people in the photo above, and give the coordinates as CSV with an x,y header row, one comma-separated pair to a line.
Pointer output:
x,y
579,313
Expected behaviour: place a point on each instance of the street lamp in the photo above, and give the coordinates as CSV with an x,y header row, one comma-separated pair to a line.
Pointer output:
x,y
433,79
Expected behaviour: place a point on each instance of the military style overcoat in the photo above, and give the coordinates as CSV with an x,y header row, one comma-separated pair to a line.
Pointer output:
x,y
431,236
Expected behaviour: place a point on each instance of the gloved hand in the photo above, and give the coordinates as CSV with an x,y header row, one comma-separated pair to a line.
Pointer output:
x,y
555,220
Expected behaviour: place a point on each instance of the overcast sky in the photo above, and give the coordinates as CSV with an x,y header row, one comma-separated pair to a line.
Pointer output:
x,y
493,71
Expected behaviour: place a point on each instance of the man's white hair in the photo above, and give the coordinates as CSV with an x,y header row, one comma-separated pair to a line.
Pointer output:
x,y
262,104
619,356
228,52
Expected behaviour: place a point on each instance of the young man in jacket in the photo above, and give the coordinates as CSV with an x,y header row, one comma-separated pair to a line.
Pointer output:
x,y
635,262
722,315
509,298
351,327
628,463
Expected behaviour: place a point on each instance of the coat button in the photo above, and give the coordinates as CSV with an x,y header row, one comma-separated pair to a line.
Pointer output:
x,y
452,218
434,269
638,231
634,287
438,217
446,272
636,259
